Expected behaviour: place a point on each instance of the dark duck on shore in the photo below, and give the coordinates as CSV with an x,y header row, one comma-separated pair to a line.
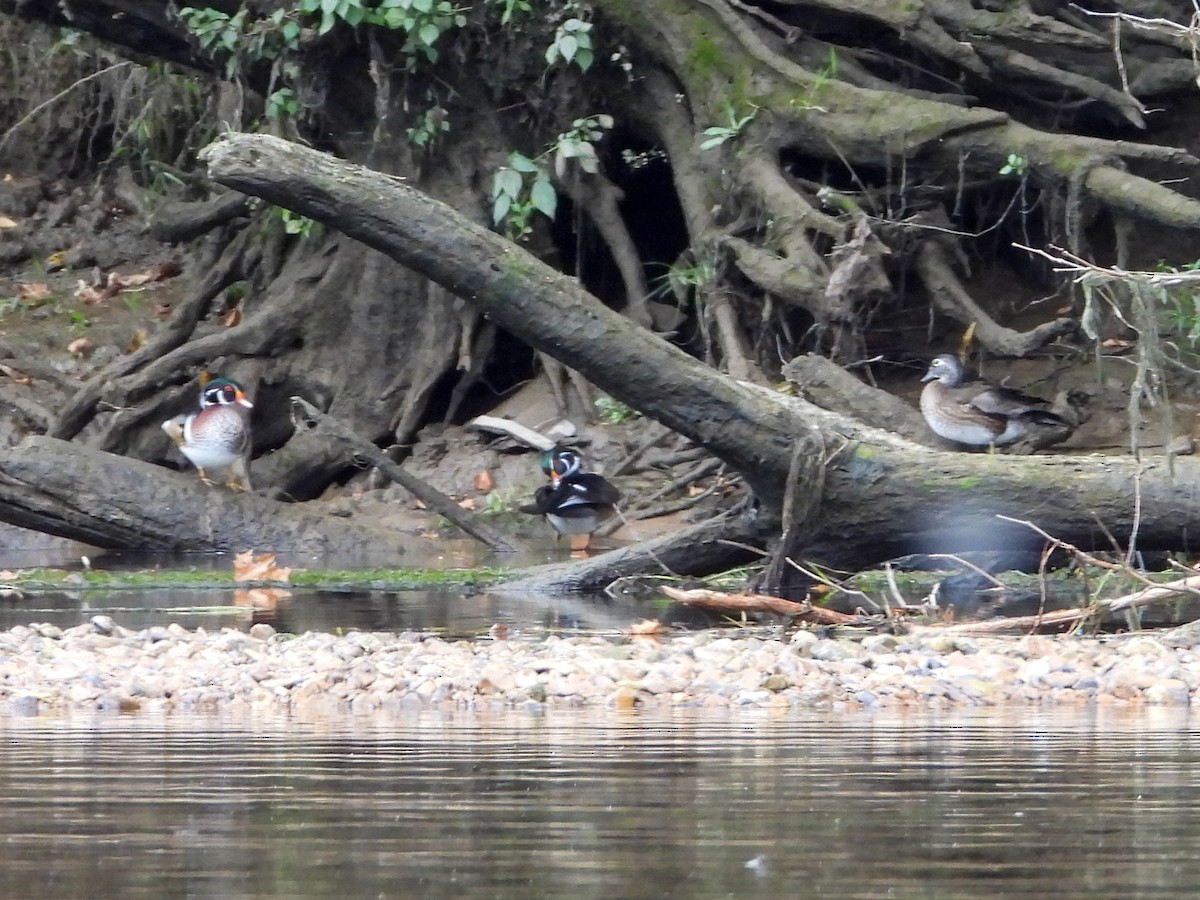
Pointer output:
x,y
575,503
979,414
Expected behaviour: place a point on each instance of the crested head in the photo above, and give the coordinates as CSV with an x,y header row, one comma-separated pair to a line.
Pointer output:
x,y
559,462
945,368
223,392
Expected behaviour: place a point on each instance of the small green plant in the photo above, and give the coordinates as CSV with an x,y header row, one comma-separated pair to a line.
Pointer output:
x,y
719,134
214,29
572,44
294,223
614,412
826,73
1015,165
428,126
240,38
518,191
511,7
1180,303
79,322
282,104
523,187
424,21
579,144
680,279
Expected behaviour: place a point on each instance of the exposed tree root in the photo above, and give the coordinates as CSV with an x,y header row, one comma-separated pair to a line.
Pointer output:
x,y
949,296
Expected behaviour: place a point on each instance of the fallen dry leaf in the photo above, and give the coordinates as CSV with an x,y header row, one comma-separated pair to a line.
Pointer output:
x,y
81,346
470,504
260,598
90,296
231,318
1116,344
646,628
484,481
498,631
55,259
18,377
248,567
33,291
162,311
6,222
8,575
138,341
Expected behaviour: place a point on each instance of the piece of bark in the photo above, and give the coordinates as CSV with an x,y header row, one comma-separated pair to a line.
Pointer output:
x,y
514,430
434,499
118,503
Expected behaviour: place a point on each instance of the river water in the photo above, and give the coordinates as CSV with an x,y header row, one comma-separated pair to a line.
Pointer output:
x,y
602,804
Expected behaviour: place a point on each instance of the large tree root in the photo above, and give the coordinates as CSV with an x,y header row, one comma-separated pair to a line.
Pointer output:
x,y
713,546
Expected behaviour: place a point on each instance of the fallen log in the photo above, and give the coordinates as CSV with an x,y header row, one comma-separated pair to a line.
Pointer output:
x,y
118,503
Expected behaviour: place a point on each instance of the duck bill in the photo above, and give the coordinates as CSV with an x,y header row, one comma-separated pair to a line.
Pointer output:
x,y
241,398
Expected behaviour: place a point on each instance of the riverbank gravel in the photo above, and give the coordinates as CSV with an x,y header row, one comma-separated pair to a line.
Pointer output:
x,y
102,666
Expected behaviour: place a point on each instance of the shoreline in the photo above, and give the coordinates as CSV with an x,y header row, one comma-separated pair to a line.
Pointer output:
x,y
104,667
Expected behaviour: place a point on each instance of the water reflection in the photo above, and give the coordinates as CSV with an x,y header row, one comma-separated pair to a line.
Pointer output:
x,y
602,805
451,613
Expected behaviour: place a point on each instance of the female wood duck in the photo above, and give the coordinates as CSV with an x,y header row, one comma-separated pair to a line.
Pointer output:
x,y
218,436
574,502
980,415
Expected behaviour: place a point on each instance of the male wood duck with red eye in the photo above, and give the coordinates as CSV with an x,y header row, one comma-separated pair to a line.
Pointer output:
x,y
218,435
980,415
574,502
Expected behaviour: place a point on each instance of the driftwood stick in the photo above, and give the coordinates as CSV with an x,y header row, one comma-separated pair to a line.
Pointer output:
x,y
718,601
426,493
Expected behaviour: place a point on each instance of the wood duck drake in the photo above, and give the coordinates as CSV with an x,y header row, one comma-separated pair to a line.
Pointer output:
x,y
978,414
574,502
218,435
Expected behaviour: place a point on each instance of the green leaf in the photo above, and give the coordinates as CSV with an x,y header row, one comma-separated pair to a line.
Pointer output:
x,y
521,162
508,182
583,59
422,5
551,54
500,208
291,31
567,45
429,33
544,198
